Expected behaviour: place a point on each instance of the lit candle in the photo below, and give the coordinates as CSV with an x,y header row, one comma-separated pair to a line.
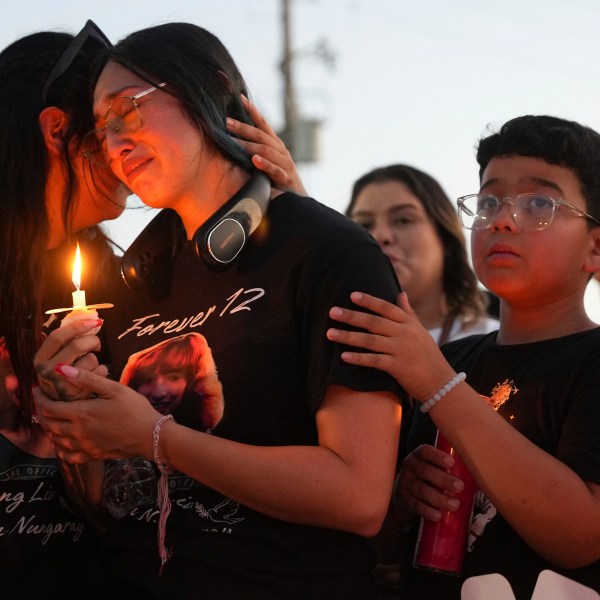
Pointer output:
x,y
80,310
78,295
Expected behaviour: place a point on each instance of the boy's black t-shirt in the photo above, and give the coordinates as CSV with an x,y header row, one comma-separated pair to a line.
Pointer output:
x,y
550,390
264,319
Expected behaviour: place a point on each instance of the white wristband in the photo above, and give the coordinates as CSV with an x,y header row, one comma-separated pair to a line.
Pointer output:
x,y
155,441
429,404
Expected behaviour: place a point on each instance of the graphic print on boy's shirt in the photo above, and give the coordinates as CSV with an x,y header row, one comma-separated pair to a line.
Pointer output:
x,y
483,509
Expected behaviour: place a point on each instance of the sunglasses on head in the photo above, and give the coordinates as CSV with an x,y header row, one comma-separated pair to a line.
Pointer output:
x,y
90,30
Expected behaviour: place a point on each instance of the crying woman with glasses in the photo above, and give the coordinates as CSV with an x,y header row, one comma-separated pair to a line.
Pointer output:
x,y
49,196
279,498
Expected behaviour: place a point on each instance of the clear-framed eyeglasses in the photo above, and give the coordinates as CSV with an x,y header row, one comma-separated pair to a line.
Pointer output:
x,y
529,211
122,117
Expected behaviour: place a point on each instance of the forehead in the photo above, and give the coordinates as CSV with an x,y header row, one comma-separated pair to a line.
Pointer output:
x,y
382,196
521,174
151,370
115,80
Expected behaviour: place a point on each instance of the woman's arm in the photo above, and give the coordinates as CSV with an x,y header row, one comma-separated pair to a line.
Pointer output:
x,y
83,484
549,505
72,344
343,483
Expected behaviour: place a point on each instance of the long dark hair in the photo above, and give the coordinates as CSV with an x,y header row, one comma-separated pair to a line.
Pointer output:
x,y
24,168
462,293
198,70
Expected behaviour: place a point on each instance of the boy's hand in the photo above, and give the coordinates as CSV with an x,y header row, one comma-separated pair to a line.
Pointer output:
x,y
395,342
424,487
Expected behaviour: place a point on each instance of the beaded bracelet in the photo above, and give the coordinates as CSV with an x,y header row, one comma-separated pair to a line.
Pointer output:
x,y
427,406
164,504
156,438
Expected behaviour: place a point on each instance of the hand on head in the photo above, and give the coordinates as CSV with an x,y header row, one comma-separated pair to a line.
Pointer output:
x,y
269,153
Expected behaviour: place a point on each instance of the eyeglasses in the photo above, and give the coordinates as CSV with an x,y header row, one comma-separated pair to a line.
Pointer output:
x,y
123,116
529,211
90,30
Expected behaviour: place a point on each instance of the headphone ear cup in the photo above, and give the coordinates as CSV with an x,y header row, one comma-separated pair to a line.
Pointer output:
x,y
223,236
147,265
222,243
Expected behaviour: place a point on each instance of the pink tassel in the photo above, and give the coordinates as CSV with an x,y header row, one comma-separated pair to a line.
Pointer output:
x,y
164,502
164,505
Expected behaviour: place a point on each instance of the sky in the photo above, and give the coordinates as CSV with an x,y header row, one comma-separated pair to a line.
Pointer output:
x,y
417,82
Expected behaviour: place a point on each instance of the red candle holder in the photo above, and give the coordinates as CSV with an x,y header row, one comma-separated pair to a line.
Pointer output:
x,y
441,544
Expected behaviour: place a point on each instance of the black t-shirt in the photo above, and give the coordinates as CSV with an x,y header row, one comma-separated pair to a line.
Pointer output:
x,y
550,390
47,550
264,320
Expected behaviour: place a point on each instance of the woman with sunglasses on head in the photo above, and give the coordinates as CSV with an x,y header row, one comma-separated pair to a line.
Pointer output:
x,y
48,193
276,501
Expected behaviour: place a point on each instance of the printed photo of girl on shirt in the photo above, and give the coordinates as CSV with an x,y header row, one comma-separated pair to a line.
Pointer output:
x,y
179,376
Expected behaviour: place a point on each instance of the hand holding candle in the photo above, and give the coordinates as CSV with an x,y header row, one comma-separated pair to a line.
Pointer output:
x,y
80,310
441,544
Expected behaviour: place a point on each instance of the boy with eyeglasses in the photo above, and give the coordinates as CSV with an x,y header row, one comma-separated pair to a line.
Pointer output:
x,y
535,243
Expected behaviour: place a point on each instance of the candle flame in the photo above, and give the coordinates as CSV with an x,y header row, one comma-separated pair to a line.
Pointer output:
x,y
77,268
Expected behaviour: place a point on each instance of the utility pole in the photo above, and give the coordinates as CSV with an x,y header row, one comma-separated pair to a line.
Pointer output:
x,y
290,130
300,133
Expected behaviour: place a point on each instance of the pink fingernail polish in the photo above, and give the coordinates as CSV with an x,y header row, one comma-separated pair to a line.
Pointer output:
x,y
66,370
